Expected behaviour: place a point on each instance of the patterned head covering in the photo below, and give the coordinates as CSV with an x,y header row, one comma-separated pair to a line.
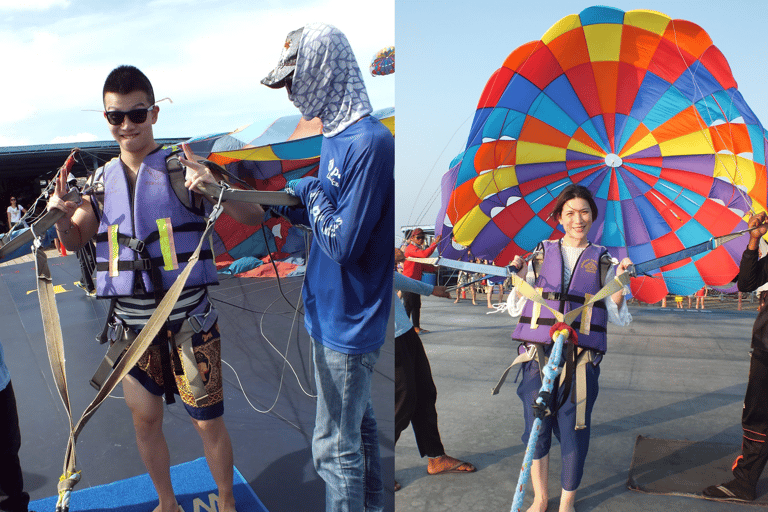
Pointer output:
x,y
327,82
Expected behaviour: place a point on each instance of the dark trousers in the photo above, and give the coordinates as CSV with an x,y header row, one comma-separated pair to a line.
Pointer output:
x,y
412,303
415,395
11,480
87,258
754,420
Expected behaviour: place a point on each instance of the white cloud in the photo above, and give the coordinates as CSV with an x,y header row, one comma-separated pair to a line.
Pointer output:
x,y
31,5
80,137
13,141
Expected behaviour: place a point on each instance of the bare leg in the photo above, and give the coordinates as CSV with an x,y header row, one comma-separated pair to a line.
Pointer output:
x,y
567,500
540,481
474,295
147,412
218,452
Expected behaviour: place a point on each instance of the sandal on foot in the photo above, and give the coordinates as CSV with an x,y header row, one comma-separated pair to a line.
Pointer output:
x,y
397,486
730,491
448,464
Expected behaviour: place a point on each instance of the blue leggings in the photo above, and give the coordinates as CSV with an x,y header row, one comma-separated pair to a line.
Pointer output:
x,y
574,444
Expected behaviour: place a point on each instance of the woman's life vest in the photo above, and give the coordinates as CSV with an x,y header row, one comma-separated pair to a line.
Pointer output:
x,y
151,230
586,279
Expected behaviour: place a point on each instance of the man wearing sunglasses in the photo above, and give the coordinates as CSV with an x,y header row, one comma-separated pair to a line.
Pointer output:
x,y
348,289
145,232
414,270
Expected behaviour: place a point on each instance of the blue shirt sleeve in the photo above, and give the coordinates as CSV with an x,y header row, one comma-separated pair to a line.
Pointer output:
x,y
295,214
343,231
407,284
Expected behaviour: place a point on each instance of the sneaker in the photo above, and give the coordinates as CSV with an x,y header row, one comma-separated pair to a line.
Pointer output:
x,y
730,491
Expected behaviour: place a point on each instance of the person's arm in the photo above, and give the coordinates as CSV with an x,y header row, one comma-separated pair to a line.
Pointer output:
x,y
249,214
8,215
407,284
416,252
79,224
342,231
296,215
753,272
618,312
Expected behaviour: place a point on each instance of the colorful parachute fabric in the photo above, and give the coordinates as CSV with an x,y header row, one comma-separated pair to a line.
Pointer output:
x,y
265,159
641,109
383,62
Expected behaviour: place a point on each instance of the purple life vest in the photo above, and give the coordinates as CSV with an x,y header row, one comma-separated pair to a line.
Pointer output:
x,y
168,231
585,279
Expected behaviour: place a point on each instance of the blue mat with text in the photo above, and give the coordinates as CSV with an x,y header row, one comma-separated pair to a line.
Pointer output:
x,y
192,482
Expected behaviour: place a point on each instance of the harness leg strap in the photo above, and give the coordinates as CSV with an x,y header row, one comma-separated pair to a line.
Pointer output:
x,y
110,359
526,356
183,341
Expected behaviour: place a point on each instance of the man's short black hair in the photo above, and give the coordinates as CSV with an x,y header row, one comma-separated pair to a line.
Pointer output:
x,y
125,80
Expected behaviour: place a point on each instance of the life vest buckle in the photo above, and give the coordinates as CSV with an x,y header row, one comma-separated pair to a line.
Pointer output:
x,y
136,244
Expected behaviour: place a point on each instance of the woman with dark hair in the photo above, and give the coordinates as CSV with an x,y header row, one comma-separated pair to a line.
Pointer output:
x,y
566,272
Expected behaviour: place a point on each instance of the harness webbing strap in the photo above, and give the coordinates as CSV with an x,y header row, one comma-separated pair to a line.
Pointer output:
x,y
526,290
183,340
114,352
55,346
535,352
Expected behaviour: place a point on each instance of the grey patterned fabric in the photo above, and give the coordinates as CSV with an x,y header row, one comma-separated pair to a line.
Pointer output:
x,y
327,82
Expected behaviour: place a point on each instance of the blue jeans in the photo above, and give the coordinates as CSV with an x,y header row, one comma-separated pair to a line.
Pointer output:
x,y
345,445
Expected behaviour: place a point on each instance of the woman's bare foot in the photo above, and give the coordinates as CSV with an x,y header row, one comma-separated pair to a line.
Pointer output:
x,y
538,505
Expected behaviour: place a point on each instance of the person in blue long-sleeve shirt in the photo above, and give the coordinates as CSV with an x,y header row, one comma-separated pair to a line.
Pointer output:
x,y
348,287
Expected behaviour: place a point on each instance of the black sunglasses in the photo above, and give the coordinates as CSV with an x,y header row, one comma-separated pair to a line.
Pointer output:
x,y
137,116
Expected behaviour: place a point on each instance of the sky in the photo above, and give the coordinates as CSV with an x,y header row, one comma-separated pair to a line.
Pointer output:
x,y
208,56
448,49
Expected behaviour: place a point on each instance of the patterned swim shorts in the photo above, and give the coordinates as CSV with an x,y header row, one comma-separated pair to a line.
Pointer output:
x,y
207,349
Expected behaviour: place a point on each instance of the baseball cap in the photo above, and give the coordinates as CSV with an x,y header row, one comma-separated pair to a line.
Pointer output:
x,y
287,64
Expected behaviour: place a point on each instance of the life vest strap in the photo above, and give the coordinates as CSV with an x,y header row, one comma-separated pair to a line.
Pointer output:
x,y
148,264
570,298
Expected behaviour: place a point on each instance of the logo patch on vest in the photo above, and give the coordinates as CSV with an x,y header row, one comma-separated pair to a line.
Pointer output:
x,y
589,266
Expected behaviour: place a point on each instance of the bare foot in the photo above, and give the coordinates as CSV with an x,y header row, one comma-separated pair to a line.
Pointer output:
x,y
175,508
456,301
474,303
448,464
538,505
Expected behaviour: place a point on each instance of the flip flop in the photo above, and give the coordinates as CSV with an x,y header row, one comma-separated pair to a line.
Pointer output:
x,y
451,465
397,486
